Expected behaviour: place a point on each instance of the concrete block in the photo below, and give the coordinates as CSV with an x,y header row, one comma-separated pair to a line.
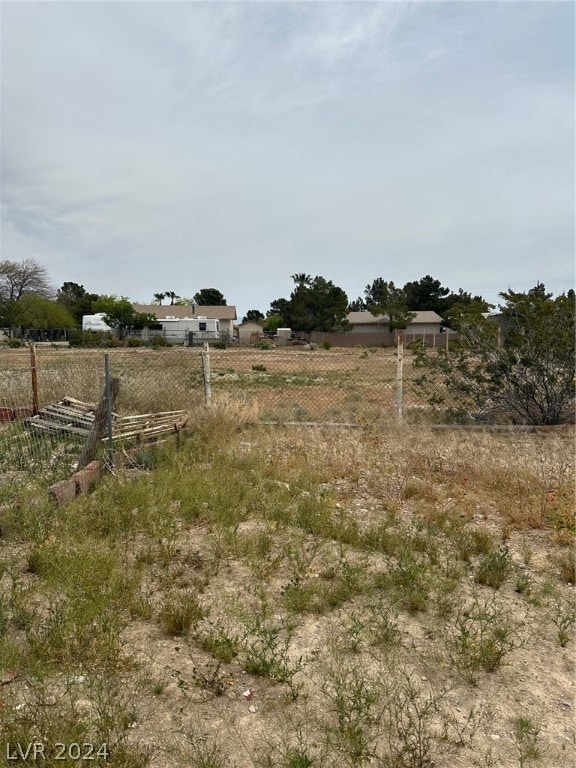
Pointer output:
x,y
85,479
63,492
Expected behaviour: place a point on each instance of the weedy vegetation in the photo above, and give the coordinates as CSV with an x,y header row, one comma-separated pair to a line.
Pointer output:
x,y
298,597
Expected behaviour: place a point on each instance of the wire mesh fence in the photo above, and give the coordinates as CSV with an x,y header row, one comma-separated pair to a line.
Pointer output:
x,y
49,395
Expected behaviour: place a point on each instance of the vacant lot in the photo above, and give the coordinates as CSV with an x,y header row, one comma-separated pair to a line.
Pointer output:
x,y
356,385
294,597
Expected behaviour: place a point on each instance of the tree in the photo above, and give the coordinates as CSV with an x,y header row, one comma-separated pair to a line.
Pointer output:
x,y
76,300
358,305
209,297
524,371
314,305
426,294
20,277
463,303
302,279
36,312
383,298
273,322
119,313
253,316
159,297
172,296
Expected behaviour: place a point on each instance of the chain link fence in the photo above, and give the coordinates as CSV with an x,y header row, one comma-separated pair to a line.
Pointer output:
x,y
49,395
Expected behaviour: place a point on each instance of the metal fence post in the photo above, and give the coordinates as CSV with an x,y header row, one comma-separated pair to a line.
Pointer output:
x,y
34,374
109,419
206,373
399,372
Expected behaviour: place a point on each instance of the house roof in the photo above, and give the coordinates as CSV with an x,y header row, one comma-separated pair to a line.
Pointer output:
x,y
181,311
367,318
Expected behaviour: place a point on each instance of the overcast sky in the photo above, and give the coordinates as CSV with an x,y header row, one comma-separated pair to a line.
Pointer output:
x,y
154,146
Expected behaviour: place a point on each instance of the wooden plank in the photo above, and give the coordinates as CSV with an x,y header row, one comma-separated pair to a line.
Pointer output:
x,y
120,428
54,427
161,429
56,414
160,414
79,404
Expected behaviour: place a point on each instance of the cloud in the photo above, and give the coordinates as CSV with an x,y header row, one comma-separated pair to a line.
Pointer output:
x,y
232,144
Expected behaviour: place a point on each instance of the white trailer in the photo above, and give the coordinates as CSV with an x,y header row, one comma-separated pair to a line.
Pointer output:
x,y
191,329
95,323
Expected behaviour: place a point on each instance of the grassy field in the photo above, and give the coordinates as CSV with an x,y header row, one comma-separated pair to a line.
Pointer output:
x,y
296,597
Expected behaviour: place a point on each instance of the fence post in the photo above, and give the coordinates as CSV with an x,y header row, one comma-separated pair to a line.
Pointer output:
x,y
399,371
206,373
34,374
109,407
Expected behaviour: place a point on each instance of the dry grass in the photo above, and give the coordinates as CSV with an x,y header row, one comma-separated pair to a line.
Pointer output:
x,y
303,597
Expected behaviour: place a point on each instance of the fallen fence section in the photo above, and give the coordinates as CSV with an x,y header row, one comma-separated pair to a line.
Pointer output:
x,y
70,416
149,425
66,416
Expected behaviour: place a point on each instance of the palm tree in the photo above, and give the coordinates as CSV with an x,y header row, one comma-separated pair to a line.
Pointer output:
x,y
301,279
159,298
172,296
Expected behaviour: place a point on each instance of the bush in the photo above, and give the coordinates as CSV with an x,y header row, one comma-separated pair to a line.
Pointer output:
x,y
158,341
327,344
80,338
15,343
134,342
264,344
522,373
219,345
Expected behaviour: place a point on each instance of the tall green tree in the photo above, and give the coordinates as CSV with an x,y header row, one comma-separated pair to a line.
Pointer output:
x,y
172,296
384,298
209,297
522,369
302,279
426,294
315,304
76,300
254,316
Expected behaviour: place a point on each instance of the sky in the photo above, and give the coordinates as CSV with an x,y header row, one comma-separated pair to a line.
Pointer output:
x,y
172,146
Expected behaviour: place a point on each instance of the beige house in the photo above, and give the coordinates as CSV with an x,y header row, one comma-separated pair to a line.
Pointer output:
x,y
226,314
365,322
249,332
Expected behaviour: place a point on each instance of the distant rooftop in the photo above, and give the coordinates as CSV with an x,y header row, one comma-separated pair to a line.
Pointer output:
x,y
367,318
180,311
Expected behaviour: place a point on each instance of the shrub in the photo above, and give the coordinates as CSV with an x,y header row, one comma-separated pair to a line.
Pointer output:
x,y
180,612
219,345
259,367
524,374
134,342
327,344
15,343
